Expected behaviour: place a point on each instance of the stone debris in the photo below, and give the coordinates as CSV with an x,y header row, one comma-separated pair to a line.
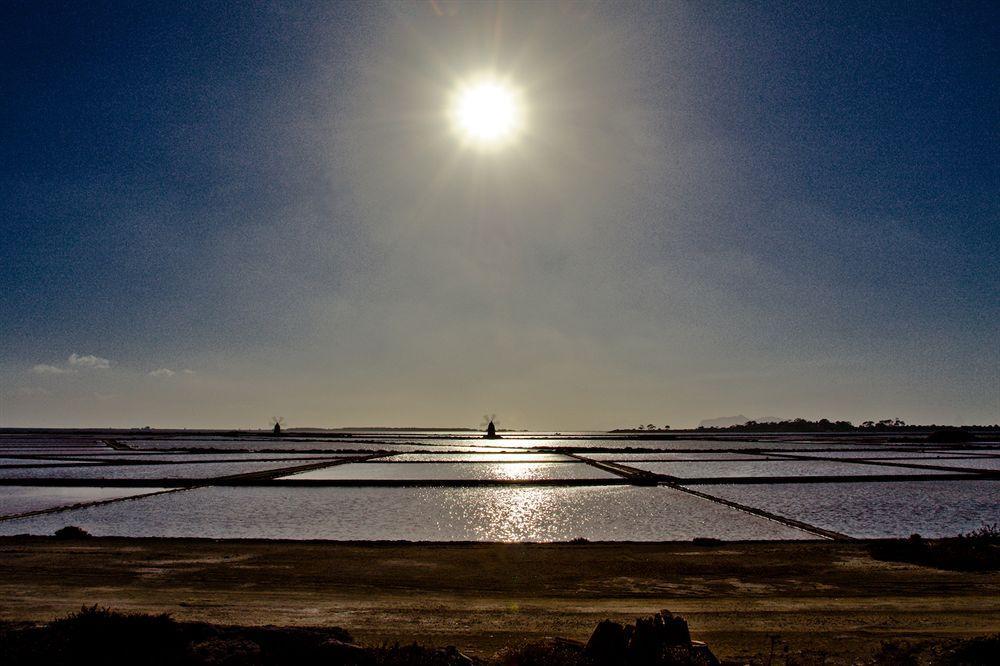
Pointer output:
x,y
660,640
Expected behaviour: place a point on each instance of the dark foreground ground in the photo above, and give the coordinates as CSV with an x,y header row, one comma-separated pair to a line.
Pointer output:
x,y
815,597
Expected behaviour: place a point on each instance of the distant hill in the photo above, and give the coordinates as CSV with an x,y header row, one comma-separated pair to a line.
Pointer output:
x,y
723,421
729,421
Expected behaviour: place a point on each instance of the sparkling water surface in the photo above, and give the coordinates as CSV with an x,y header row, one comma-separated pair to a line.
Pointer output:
x,y
612,513
893,509
415,471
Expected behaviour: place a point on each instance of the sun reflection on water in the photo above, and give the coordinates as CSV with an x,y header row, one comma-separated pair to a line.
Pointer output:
x,y
511,514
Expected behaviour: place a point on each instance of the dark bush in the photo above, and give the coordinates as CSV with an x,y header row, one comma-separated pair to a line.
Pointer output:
x,y
72,532
98,636
978,550
956,652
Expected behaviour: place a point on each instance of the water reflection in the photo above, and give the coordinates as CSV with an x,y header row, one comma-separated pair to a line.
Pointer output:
x,y
420,514
520,514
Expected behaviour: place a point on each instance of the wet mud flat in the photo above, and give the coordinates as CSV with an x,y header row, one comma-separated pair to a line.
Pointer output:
x,y
822,596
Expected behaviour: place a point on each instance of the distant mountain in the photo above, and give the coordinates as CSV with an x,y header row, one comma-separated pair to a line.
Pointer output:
x,y
727,421
723,421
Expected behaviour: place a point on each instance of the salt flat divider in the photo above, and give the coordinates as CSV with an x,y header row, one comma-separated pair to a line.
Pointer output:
x,y
638,477
892,463
83,505
202,483
790,522
642,477
247,478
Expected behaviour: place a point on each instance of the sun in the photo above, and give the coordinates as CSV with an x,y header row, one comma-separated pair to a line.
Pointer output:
x,y
487,112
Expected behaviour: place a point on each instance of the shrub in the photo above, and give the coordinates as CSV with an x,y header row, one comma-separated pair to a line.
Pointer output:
x,y
978,550
72,532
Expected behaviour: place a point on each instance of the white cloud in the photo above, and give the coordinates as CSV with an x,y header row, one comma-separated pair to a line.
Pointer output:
x,y
189,371
45,369
32,392
89,361
162,372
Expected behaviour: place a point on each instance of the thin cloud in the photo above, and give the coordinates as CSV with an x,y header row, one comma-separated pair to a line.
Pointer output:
x,y
32,392
162,372
46,369
89,361
189,371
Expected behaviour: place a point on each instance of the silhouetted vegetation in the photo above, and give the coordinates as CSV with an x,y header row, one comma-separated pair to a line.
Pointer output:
x,y
958,652
102,636
72,532
978,550
826,425
950,436
795,425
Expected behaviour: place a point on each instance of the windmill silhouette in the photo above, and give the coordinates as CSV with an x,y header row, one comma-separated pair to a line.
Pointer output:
x,y
276,423
490,421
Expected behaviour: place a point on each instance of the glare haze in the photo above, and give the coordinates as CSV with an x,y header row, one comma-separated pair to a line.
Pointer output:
x,y
214,215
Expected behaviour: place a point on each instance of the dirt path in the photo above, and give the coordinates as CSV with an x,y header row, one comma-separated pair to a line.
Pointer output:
x,y
817,595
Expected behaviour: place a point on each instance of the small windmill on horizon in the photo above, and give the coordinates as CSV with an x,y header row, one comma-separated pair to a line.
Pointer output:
x,y
276,423
490,421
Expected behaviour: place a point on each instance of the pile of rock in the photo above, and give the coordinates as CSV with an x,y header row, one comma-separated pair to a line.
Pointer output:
x,y
661,640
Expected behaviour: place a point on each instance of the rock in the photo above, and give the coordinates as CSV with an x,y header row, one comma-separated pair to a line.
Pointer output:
x,y
608,643
675,629
643,648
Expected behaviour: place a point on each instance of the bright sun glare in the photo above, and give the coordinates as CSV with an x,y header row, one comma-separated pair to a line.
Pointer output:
x,y
487,113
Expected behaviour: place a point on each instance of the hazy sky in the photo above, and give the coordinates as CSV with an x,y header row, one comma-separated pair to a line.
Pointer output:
x,y
213,215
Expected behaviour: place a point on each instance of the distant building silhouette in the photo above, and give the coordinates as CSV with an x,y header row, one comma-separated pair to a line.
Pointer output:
x,y
491,432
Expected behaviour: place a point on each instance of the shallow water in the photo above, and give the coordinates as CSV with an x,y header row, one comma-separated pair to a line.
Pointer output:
x,y
22,499
485,471
7,462
180,471
541,513
703,469
419,514
988,464
153,457
890,454
870,510
445,457
412,442
672,456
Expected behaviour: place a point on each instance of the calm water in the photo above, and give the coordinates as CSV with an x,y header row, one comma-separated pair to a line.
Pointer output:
x,y
420,514
605,512
179,471
444,457
774,468
6,462
22,499
484,471
930,508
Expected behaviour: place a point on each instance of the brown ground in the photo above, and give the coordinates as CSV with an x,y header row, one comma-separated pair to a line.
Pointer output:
x,y
827,596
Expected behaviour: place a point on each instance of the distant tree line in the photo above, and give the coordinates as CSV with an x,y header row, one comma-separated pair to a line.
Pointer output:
x,y
643,427
826,425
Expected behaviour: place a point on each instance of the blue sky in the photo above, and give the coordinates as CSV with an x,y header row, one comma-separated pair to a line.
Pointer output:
x,y
716,208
